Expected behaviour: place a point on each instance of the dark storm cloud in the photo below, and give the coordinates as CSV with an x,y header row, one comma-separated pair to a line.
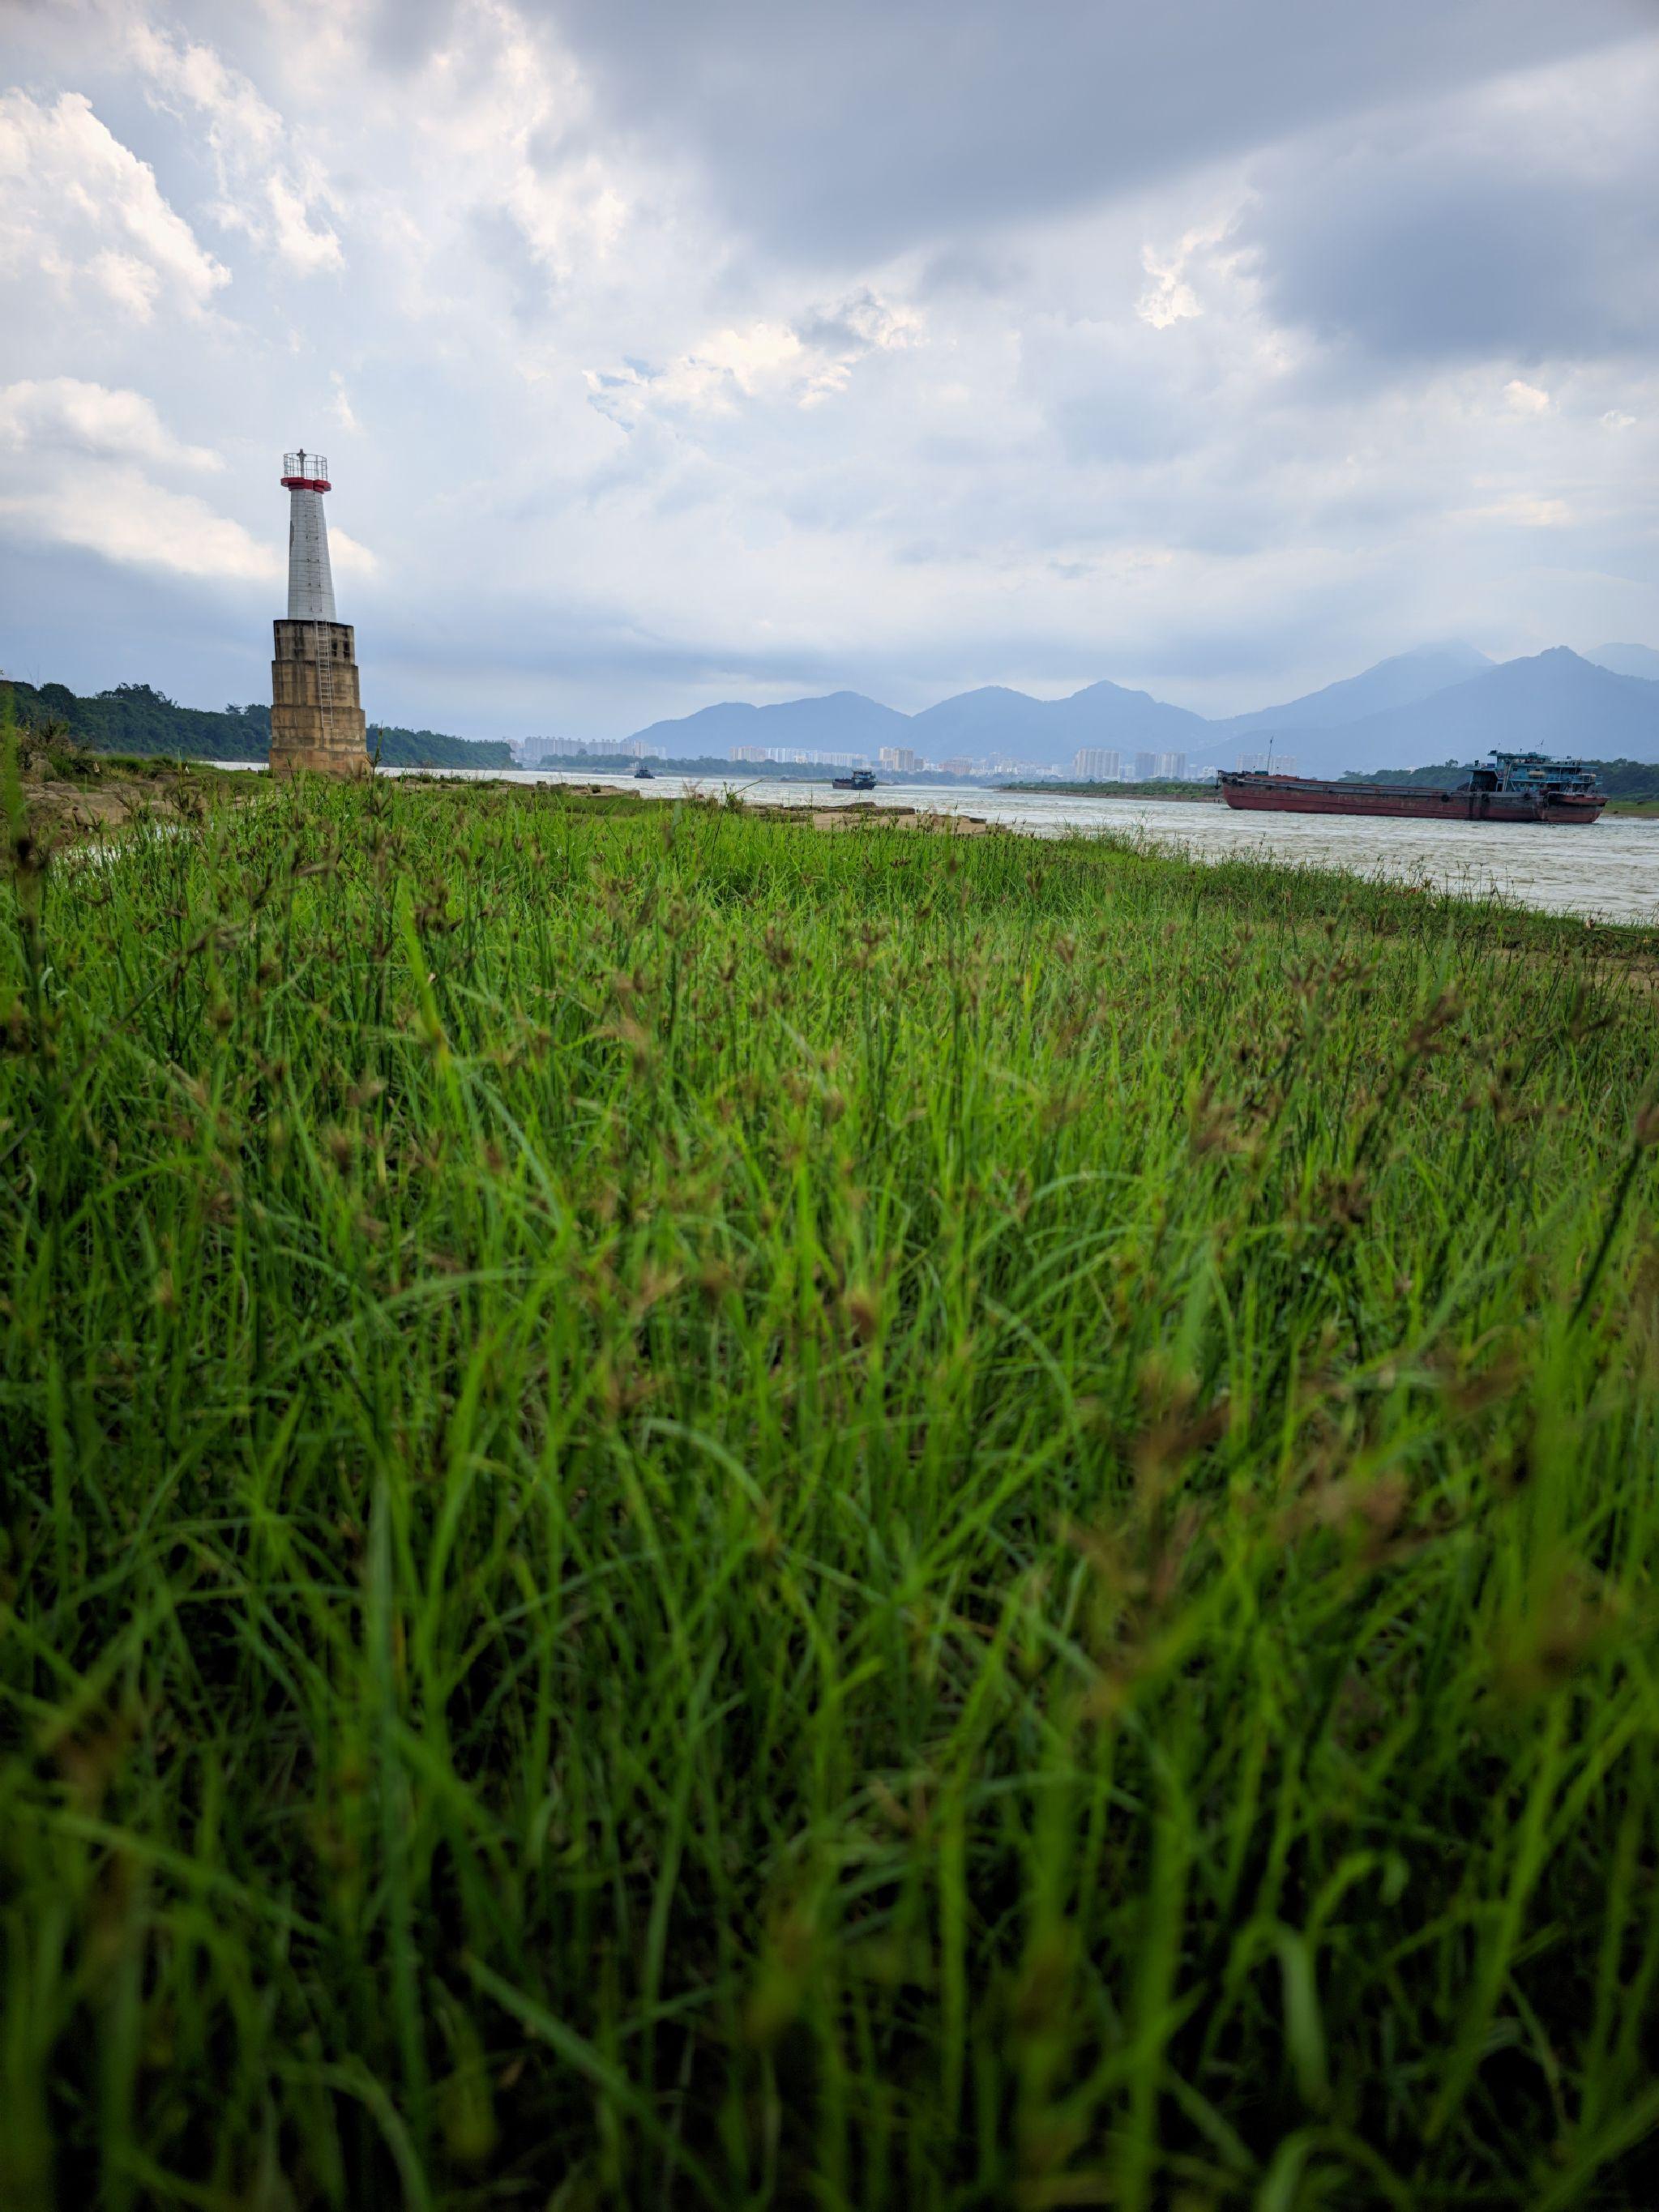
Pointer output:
x,y
1497,246
71,617
870,125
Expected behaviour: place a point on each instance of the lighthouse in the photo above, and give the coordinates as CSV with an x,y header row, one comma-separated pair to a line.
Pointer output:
x,y
316,717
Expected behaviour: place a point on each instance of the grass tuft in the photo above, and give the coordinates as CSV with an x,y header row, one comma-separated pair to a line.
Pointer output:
x,y
695,1514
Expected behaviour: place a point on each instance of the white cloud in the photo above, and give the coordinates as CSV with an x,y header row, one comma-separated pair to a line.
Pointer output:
x,y
350,557
1170,297
804,363
1527,511
343,413
93,468
504,112
118,513
130,282
265,192
64,413
1526,399
78,207
729,365
304,246
82,472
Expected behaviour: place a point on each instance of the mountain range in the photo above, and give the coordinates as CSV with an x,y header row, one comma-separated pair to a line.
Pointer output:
x,y
1437,703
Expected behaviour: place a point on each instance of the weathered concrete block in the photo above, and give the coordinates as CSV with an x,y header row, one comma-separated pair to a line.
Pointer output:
x,y
316,714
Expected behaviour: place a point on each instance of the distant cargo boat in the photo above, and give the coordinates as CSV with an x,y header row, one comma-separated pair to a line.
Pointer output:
x,y
859,780
1512,787
644,775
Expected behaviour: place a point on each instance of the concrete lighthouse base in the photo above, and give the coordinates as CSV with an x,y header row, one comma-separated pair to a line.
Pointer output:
x,y
316,718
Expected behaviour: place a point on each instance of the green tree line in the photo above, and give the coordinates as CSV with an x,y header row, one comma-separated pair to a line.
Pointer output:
x,y
134,718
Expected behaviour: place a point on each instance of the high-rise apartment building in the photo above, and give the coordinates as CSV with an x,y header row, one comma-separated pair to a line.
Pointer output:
x,y
900,759
1094,765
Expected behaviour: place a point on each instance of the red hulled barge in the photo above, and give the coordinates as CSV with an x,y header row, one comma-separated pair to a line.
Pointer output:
x,y
1510,788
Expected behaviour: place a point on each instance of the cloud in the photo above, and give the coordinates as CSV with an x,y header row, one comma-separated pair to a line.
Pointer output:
x,y
64,414
342,409
79,477
95,469
804,363
122,515
79,210
1170,297
275,199
1526,399
351,558
506,112
1527,514
682,354
869,127
1520,223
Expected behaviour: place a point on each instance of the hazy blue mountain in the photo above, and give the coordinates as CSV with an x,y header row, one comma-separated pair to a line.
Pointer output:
x,y
842,721
1552,703
1399,681
1627,660
980,723
1407,711
1044,732
1107,714
988,723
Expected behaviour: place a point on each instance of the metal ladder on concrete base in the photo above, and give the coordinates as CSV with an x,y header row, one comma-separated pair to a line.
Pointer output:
x,y
324,650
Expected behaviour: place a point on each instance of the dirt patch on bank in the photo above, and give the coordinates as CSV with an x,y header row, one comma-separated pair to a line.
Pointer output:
x,y
71,797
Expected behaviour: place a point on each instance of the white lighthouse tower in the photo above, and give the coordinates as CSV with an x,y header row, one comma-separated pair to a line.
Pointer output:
x,y
316,714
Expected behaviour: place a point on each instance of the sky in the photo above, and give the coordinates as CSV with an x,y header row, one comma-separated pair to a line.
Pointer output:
x,y
666,353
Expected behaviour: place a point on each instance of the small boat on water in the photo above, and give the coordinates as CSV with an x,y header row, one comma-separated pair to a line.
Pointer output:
x,y
1510,787
644,775
859,780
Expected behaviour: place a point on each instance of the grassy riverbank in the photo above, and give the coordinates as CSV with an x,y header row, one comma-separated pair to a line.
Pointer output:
x,y
697,1514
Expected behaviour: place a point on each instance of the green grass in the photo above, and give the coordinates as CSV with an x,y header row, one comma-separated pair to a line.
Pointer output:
x,y
700,1515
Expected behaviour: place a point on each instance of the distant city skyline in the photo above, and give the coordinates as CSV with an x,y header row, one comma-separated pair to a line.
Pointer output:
x,y
666,357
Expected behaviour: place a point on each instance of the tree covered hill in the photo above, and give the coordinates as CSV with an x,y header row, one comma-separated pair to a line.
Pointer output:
x,y
133,717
